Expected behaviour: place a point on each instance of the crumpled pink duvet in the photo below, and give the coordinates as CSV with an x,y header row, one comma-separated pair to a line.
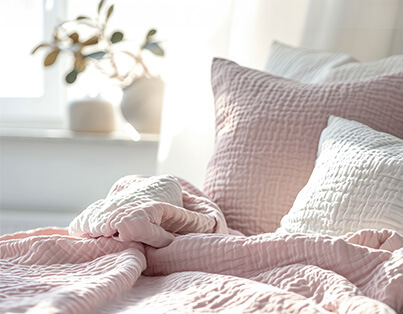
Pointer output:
x,y
158,245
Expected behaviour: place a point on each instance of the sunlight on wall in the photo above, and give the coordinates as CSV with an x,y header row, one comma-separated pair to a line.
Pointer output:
x,y
239,30
188,124
257,23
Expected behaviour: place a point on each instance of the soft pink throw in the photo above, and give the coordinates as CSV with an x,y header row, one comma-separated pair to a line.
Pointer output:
x,y
125,253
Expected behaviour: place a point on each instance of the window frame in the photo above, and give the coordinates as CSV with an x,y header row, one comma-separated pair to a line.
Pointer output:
x,y
46,109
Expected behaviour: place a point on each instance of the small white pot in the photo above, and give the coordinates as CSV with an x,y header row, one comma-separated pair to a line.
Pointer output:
x,y
142,102
91,115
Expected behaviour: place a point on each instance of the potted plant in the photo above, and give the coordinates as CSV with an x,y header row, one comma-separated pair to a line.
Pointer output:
x,y
142,91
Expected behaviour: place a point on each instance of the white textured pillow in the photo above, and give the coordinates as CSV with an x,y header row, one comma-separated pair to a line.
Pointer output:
x,y
362,70
357,183
315,66
304,65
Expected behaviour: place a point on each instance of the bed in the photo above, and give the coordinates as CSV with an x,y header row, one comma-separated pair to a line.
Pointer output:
x,y
301,211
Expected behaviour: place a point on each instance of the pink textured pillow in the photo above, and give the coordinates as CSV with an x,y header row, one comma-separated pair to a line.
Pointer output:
x,y
267,133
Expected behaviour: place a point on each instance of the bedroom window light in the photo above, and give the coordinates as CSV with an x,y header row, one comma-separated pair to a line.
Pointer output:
x,y
34,96
25,98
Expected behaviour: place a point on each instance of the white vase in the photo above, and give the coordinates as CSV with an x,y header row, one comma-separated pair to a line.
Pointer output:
x,y
142,102
91,115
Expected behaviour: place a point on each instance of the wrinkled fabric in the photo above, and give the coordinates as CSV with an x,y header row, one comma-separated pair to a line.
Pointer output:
x,y
267,134
202,266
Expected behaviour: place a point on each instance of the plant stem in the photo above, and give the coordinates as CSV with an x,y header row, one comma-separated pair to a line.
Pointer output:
x,y
140,61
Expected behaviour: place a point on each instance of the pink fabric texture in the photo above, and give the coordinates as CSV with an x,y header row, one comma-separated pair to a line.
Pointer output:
x,y
267,133
149,210
50,271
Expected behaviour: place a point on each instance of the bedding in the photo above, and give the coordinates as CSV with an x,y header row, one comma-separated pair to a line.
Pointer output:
x,y
357,183
267,132
98,265
304,65
315,66
136,206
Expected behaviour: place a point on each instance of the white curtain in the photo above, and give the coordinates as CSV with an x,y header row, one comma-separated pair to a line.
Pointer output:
x,y
243,31
368,30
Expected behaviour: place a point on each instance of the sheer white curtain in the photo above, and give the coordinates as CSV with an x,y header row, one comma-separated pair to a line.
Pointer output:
x,y
243,31
368,30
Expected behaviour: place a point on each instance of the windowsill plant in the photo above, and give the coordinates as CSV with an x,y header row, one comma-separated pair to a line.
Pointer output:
x,y
142,92
98,49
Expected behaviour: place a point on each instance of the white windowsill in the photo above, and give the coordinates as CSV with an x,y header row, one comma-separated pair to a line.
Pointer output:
x,y
68,135
63,171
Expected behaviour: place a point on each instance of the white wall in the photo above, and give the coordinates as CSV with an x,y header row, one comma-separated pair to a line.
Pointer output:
x,y
62,174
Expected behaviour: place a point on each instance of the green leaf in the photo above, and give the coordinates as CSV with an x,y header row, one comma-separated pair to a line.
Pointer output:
x,y
82,17
151,33
92,41
116,37
51,58
100,5
110,11
96,55
40,46
72,76
74,37
154,48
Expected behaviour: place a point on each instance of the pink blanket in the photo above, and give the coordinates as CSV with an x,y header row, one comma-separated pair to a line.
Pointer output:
x,y
157,244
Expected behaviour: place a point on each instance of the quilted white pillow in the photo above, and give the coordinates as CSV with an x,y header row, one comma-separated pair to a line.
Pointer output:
x,y
315,66
362,70
357,183
304,65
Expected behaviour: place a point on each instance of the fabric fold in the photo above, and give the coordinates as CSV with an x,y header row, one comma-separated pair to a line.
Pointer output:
x,y
157,244
150,210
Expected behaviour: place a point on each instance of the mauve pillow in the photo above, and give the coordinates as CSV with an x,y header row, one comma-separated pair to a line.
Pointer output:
x,y
267,132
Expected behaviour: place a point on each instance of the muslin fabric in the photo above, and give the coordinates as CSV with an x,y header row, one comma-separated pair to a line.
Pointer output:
x,y
316,66
267,133
357,183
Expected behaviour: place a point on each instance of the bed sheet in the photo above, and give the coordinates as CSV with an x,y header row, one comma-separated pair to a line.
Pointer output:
x,y
159,245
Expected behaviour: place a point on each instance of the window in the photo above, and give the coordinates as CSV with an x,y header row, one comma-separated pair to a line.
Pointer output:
x,y
31,95
23,96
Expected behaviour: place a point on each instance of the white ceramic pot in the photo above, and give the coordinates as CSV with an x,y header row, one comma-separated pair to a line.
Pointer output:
x,y
91,115
142,102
